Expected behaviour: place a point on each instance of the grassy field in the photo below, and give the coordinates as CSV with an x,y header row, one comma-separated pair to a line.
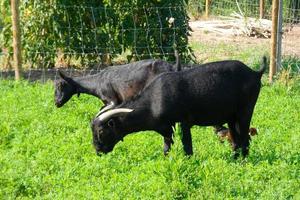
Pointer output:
x,y
249,54
46,152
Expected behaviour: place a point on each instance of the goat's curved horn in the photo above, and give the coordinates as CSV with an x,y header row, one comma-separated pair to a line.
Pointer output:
x,y
114,112
106,108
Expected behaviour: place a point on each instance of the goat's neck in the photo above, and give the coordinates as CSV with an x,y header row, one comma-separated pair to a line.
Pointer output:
x,y
140,119
88,85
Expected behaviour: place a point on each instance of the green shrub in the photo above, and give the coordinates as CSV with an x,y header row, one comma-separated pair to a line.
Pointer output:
x,y
98,30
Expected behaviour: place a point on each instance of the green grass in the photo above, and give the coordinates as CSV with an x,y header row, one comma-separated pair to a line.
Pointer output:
x,y
46,153
250,54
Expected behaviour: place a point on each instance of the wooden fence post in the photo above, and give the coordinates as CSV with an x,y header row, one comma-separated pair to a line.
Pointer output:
x,y
279,35
207,2
16,38
261,8
272,70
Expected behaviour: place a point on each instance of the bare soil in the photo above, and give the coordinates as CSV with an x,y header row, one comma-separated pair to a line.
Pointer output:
x,y
291,39
291,42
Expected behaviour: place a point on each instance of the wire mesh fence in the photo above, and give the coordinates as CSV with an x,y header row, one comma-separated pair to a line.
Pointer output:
x,y
250,8
85,39
229,15
291,36
94,37
156,37
217,37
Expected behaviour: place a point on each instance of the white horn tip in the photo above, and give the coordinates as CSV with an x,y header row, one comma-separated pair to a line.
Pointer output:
x,y
110,113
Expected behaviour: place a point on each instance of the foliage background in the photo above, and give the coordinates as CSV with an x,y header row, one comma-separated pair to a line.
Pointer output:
x,y
250,8
94,30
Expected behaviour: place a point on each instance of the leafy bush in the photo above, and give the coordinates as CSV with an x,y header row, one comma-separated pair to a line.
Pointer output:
x,y
98,30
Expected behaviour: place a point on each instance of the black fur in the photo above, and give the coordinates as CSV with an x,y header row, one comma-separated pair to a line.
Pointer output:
x,y
112,85
210,94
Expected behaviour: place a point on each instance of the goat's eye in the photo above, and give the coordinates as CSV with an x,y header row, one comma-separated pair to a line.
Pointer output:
x,y
100,131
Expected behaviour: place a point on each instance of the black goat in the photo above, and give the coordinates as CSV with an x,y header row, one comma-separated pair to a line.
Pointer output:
x,y
210,94
113,85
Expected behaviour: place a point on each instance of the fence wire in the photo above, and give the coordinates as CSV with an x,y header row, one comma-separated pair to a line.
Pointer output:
x,y
291,36
85,34
96,41
214,46
96,37
86,39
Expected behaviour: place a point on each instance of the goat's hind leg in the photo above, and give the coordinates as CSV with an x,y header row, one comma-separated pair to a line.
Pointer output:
x,y
243,121
244,124
240,136
235,138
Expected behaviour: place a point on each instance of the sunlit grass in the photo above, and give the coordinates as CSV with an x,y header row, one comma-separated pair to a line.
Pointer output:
x,y
208,52
46,152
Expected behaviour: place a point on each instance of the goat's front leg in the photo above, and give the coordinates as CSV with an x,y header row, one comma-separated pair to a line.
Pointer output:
x,y
168,141
187,139
167,133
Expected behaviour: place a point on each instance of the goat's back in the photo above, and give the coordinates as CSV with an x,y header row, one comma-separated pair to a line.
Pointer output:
x,y
127,80
210,93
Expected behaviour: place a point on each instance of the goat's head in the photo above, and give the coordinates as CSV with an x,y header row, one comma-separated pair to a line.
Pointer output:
x,y
64,89
106,130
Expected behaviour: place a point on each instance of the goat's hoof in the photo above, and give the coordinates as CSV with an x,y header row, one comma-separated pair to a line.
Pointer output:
x,y
189,153
166,152
245,152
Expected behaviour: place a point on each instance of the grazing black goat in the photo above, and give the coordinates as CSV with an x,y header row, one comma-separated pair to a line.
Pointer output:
x,y
211,94
114,84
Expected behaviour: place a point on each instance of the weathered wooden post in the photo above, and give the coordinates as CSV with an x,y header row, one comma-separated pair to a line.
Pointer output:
x,y
207,2
16,38
261,8
279,35
273,53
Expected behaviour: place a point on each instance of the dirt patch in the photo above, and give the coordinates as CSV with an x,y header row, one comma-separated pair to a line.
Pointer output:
x,y
290,42
202,35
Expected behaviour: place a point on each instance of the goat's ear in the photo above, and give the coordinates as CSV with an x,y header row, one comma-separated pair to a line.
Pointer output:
x,y
154,66
66,78
111,123
62,75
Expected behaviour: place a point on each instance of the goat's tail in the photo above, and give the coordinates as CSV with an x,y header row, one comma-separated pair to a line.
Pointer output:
x,y
177,64
264,66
